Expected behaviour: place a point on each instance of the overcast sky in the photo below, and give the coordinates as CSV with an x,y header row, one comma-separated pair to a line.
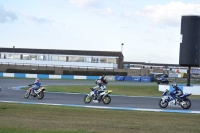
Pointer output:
x,y
150,30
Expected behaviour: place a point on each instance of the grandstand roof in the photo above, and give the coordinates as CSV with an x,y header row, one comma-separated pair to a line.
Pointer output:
x,y
59,51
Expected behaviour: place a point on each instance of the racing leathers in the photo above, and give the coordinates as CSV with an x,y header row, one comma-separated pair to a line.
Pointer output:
x,y
163,78
35,86
101,85
177,92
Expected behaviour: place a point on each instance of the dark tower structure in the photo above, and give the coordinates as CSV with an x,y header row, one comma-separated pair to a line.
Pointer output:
x,y
190,43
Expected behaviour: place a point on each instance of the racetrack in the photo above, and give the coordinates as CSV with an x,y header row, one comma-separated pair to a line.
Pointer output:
x,y
77,99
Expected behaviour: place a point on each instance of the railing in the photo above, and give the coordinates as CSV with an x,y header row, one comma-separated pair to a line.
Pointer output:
x,y
53,65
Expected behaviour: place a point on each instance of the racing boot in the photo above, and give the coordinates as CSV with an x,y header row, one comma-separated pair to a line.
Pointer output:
x,y
32,92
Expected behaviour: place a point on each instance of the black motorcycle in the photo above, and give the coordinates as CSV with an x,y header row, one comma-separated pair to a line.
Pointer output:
x,y
160,81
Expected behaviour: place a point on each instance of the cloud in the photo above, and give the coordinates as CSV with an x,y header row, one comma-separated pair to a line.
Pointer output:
x,y
7,16
85,3
169,14
105,11
95,6
36,19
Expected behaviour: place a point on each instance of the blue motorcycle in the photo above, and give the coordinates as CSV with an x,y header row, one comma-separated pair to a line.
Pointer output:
x,y
171,100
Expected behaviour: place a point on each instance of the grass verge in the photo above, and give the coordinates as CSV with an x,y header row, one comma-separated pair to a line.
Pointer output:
x,y
17,118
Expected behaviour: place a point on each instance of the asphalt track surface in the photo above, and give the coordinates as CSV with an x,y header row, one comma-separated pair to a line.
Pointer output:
x,y
8,94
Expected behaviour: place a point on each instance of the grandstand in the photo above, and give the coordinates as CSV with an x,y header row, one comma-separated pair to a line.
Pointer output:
x,y
64,58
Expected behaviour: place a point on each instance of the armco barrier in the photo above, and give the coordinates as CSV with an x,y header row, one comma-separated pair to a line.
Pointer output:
x,y
136,78
128,78
146,79
119,78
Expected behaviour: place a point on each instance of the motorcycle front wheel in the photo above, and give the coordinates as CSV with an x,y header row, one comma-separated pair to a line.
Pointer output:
x,y
87,99
163,104
186,104
107,99
40,95
27,94
158,82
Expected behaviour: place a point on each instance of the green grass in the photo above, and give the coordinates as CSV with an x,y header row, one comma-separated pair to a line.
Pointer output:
x,y
117,89
127,90
20,118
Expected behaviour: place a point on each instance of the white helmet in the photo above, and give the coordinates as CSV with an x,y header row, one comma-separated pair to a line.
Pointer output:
x,y
174,84
37,80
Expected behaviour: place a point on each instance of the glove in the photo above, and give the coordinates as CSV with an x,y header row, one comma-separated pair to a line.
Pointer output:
x,y
30,85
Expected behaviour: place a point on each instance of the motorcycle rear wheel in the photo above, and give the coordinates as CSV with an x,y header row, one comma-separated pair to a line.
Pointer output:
x,y
87,99
187,105
40,95
106,99
163,104
27,94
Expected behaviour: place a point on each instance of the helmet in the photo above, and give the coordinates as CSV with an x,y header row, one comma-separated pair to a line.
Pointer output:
x,y
37,80
174,84
103,76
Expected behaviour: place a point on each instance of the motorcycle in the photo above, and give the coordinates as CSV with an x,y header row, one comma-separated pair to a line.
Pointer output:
x,y
37,93
170,100
160,81
103,96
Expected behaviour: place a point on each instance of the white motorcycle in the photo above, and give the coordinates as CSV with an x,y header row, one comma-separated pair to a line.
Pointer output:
x,y
103,96
170,100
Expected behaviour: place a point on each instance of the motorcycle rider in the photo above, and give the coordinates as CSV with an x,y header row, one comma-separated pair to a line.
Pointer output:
x,y
101,82
36,85
177,91
163,78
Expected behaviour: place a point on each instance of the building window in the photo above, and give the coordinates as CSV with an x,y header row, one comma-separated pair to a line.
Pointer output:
x,y
9,56
76,59
95,60
2,56
88,59
103,60
40,57
62,58
45,57
126,65
112,60
26,57
54,57
16,56
33,57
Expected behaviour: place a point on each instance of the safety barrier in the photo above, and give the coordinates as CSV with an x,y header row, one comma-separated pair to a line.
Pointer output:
x,y
47,76
134,78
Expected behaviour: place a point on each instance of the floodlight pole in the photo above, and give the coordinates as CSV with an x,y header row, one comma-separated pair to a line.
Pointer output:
x,y
122,47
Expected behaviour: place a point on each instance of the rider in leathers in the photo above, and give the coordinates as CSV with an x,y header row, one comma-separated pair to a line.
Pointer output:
x,y
178,92
101,85
36,85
